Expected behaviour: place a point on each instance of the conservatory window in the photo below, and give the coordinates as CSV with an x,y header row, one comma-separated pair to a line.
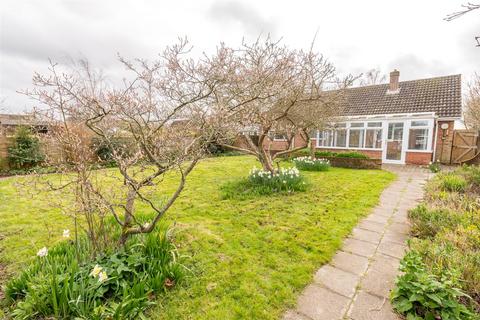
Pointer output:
x,y
418,135
356,135
373,135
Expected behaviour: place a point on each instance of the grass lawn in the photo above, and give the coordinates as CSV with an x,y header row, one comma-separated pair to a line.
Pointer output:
x,y
249,259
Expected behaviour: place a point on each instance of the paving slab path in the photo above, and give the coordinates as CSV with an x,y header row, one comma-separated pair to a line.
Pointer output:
x,y
356,284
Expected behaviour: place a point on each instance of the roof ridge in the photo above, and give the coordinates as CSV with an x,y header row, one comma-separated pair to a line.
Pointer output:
x,y
421,79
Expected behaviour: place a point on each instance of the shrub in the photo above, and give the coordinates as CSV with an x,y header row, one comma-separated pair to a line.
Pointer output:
x,y
320,154
25,151
472,174
104,150
309,164
453,182
434,167
116,285
421,295
356,155
428,222
261,182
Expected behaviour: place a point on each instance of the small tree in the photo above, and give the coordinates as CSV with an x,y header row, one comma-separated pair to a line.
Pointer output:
x,y
277,90
472,103
79,104
25,151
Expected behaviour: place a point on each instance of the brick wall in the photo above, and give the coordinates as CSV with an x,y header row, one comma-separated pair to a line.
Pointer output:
x,y
418,157
275,145
444,142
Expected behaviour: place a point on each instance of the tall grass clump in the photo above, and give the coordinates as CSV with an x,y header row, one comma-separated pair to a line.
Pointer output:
x,y
66,282
453,182
309,164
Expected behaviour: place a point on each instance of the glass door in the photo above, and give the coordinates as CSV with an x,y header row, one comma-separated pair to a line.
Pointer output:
x,y
394,145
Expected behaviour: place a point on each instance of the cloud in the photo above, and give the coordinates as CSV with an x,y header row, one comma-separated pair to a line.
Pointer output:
x,y
233,12
418,68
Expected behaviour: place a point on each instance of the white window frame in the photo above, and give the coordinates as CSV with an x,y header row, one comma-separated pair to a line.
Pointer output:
x,y
407,120
359,128
429,126
283,139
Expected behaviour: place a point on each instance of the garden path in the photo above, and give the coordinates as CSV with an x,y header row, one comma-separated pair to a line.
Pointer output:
x,y
356,284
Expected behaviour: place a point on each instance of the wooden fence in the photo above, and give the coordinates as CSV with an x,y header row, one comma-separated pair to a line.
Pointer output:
x,y
466,145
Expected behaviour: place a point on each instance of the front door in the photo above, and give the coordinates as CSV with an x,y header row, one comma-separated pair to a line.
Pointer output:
x,y
394,151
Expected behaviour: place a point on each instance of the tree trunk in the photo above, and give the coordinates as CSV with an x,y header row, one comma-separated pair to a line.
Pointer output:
x,y
266,161
312,150
127,222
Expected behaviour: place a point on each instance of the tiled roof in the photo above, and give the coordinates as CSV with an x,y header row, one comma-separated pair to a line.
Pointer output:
x,y
441,95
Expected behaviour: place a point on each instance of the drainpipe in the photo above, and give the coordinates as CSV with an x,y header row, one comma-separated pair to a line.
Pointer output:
x,y
435,140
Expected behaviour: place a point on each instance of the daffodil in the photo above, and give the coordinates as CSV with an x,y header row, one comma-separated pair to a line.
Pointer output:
x,y
96,270
102,276
42,252
66,233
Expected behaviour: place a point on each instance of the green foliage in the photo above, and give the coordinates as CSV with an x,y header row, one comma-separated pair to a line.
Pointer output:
x,y
426,223
453,182
324,154
117,285
420,295
308,164
353,154
472,174
250,257
25,151
104,149
456,252
448,229
261,183
434,167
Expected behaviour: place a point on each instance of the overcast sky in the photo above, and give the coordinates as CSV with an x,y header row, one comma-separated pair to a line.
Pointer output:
x,y
355,35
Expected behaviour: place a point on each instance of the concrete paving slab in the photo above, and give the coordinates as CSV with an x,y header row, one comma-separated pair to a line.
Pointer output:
x,y
293,315
350,262
337,280
359,247
392,249
366,235
369,307
372,226
319,303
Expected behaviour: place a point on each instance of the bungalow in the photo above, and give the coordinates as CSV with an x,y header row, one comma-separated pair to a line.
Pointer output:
x,y
407,122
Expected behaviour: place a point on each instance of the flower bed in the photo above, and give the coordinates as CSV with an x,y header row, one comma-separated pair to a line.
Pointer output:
x,y
260,182
353,160
441,273
309,164
285,179
65,282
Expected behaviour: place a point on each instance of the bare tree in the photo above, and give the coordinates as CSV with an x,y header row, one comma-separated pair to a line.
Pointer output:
x,y
466,8
277,90
372,77
472,103
156,125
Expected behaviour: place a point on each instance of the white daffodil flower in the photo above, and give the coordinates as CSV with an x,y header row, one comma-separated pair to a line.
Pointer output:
x,y
42,252
102,276
66,233
96,270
